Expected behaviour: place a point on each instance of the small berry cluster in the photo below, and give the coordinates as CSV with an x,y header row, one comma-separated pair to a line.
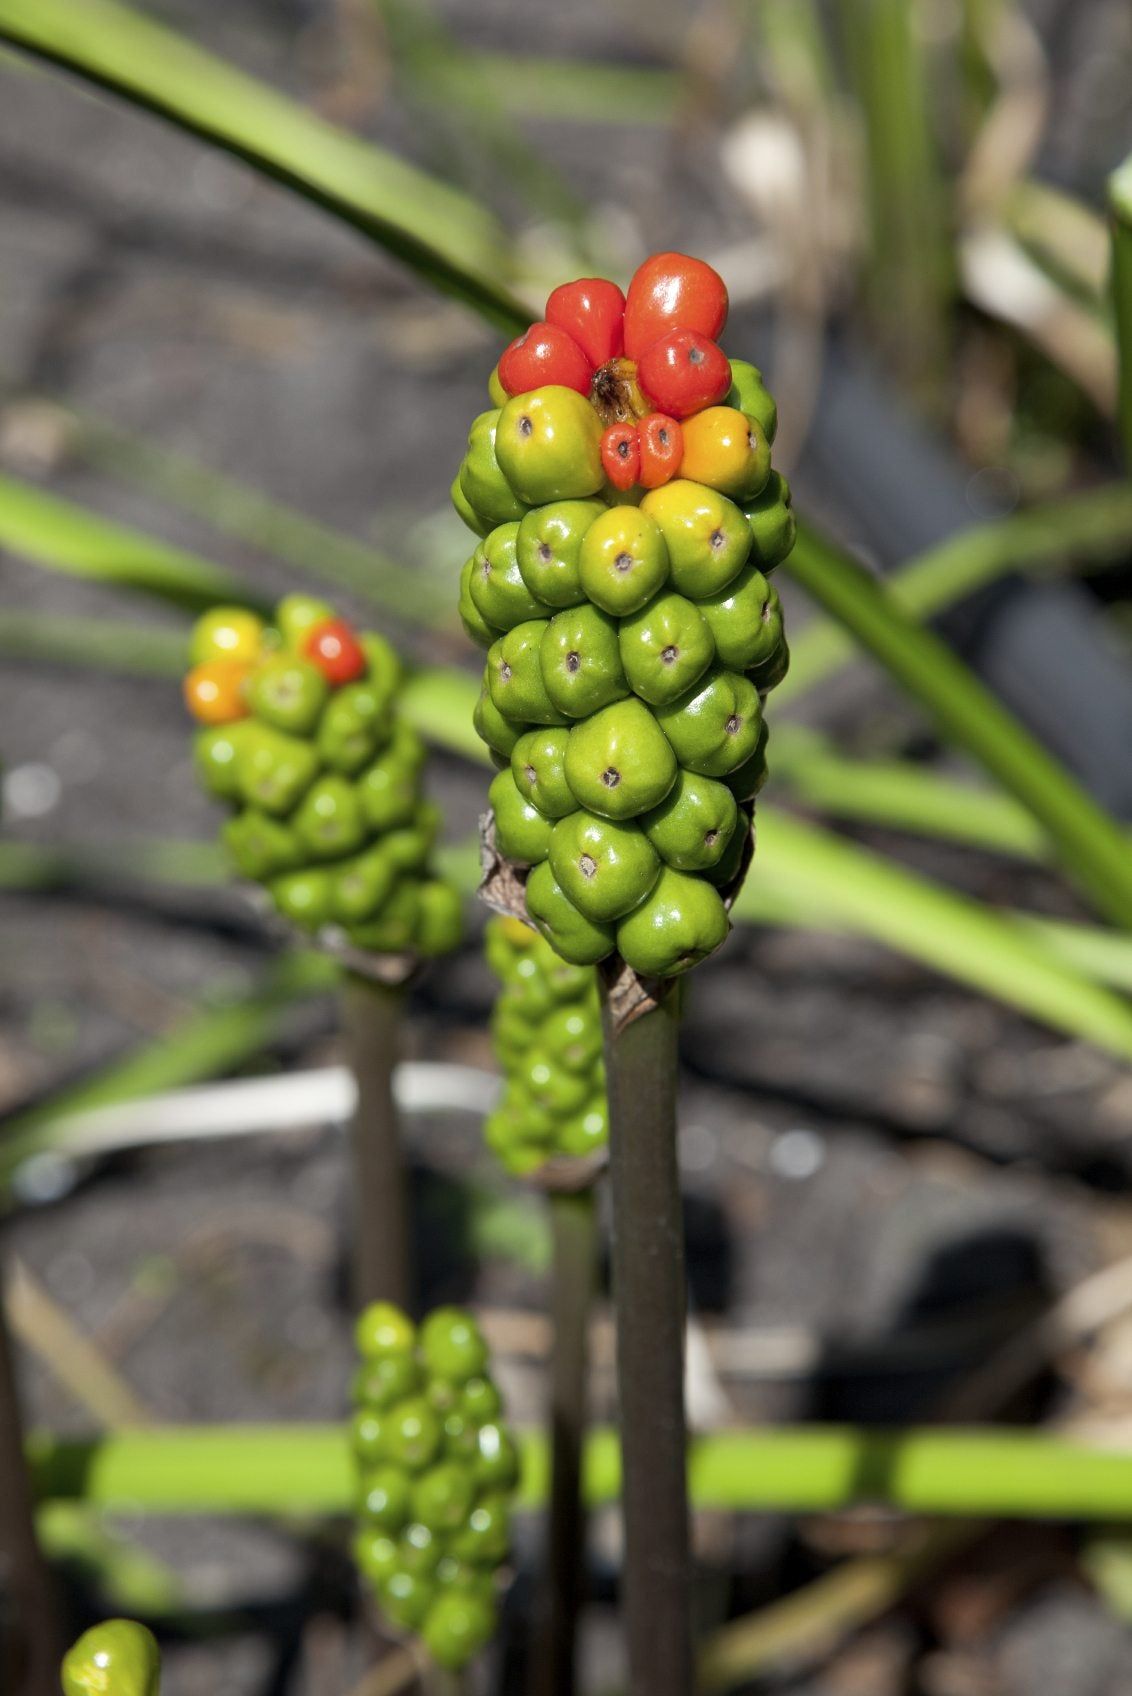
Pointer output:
x,y
629,517
437,1471
547,1033
302,737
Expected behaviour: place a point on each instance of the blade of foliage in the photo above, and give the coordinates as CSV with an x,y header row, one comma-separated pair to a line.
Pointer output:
x,y
1093,526
583,91
286,1469
441,234
37,868
135,650
210,1041
1089,843
67,538
1120,200
235,509
802,871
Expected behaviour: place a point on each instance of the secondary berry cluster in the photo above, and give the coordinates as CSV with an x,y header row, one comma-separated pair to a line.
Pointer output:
x,y
629,518
546,1028
303,740
437,1469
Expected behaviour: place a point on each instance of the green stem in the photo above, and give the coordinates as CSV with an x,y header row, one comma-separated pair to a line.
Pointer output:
x,y
371,1020
573,1219
1091,845
965,1472
1120,196
650,1301
30,1643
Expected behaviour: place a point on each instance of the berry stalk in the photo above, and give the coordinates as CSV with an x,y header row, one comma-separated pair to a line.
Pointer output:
x,y
650,1300
29,1639
381,1230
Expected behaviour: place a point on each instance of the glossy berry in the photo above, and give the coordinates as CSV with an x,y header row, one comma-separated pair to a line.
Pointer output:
x,y
727,450
621,455
544,354
538,765
580,661
336,651
451,1345
683,372
679,923
288,692
716,726
548,444
548,547
115,1658
227,633
673,291
580,940
605,867
661,440
623,560
707,536
619,762
665,647
591,311
214,691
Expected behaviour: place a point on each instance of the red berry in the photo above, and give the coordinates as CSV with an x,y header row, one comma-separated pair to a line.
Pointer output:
x,y
682,372
541,355
621,455
671,291
336,651
591,311
662,449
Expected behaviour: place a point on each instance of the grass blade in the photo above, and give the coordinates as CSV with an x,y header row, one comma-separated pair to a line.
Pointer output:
x,y
441,234
804,874
1089,843
1096,525
1120,201
68,538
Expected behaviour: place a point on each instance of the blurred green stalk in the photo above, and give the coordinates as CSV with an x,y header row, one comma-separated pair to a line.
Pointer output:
x,y
277,1470
1120,205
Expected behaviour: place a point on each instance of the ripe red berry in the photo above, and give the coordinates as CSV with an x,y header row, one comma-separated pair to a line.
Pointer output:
x,y
662,449
671,291
621,455
682,372
541,355
592,312
336,651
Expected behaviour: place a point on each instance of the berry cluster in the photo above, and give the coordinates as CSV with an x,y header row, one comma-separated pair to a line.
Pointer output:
x,y
302,737
547,1033
629,517
437,1470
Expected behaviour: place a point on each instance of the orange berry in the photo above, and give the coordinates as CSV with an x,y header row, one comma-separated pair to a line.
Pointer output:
x,y
621,455
662,449
214,692
727,450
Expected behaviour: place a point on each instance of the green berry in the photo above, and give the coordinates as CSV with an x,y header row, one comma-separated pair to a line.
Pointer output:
x,y
419,1550
548,445
746,780
500,734
387,792
768,673
476,626
482,480
550,542
357,723
297,615
568,931
288,692
624,560
770,519
674,928
466,510
443,1496
550,1086
456,1627
361,886
716,726
497,1463
486,1538
694,823
452,1346
745,620
386,1379
498,591
514,676
382,1329
480,1400
406,1598
707,535
384,1498
115,1658
375,1555
619,763
665,648
329,821
304,897
274,770
581,661
538,765
522,833
367,1433
412,1434
440,918
260,846
586,1132
605,867
394,929
215,759
573,1036
750,394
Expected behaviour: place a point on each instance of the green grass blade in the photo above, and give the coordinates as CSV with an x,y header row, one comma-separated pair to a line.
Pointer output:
x,y
804,873
1089,843
67,538
581,91
441,234
1093,526
308,1469
1120,201
102,644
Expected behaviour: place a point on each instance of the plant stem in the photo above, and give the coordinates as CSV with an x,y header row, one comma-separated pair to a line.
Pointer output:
x,y
1120,195
649,1297
573,1219
29,1655
371,1020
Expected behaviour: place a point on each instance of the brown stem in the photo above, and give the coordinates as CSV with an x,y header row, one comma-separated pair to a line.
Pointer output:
x,y
371,1019
30,1643
649,1297
573,1217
